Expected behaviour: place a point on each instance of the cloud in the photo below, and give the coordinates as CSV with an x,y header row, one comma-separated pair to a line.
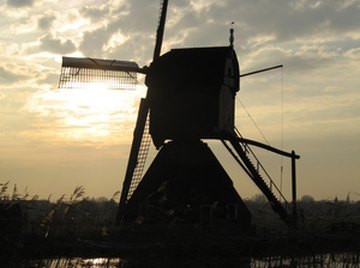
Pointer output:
x,y
93,42
45,22
136,34
51,44
353,54
20,3
95,13
286,21
8,77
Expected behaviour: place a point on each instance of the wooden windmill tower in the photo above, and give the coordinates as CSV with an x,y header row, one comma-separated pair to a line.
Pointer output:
x,y
190,98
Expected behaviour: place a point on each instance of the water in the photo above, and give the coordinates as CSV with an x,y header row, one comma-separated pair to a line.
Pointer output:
x,y
73,263
339,260
336,260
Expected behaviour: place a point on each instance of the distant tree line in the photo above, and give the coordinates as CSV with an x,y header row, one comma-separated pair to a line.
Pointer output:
x,y
46,215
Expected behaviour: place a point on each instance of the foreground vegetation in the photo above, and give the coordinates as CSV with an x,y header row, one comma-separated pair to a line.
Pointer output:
x,y
77,225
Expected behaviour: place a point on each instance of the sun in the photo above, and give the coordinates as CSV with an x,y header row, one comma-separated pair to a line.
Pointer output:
x,y
94,113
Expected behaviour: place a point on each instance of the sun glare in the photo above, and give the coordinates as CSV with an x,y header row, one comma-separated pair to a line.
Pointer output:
x,y
97,97
93,113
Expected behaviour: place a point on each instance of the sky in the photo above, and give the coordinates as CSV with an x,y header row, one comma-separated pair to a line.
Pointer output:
x,y
53,140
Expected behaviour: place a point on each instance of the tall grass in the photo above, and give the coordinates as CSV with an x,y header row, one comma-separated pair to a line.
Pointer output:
x,y
73,215
8,196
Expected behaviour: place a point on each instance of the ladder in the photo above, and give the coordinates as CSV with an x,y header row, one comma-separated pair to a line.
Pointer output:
x,y
242,152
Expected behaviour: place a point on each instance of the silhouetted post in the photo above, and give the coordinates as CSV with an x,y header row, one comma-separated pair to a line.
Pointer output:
x,y
293,179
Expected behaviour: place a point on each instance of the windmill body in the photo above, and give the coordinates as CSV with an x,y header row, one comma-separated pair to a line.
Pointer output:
x,y
186,184
191,97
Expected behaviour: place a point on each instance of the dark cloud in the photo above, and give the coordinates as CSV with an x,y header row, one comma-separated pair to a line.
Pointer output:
x,y
287,20
20,3
8,77
136,17
131,19
180,4
288,24
138,48
95,13
93,42
45,22
51,44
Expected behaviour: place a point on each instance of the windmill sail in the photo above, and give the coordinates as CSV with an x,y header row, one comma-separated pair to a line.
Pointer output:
x,y
135,164
81,73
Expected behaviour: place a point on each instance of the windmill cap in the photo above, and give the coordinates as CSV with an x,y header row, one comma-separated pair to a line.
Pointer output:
x,y
186,68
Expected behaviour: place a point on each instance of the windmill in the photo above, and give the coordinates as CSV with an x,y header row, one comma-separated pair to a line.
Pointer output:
x,y
190,98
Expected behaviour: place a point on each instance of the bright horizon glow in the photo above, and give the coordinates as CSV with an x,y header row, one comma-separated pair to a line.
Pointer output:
x,y
90,112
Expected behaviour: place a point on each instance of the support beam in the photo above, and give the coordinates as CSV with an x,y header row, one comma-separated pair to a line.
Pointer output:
x,y
261,70
293,180
269,148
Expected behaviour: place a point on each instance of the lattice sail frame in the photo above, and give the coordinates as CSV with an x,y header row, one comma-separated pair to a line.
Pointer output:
x,y
80,73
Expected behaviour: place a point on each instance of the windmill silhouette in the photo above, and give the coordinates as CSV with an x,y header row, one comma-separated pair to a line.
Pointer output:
x,y
190,98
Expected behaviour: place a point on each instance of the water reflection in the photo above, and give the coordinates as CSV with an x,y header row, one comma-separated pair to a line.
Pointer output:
x,y
77,263
339,260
